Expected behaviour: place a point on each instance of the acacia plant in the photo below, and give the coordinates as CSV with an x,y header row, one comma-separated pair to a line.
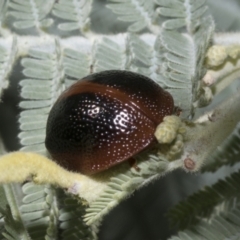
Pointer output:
x,y
174,42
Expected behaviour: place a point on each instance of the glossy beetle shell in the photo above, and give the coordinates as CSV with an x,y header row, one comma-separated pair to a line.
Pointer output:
x,y
104,119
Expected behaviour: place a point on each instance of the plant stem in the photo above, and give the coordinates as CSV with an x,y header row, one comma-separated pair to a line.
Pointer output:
x,y
225,76
227,38
204,138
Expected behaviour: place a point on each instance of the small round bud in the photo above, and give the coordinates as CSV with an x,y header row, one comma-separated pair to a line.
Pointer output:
x,y
167,131
216,55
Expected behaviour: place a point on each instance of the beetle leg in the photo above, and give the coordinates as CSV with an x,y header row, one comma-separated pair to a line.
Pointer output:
x,y
133,163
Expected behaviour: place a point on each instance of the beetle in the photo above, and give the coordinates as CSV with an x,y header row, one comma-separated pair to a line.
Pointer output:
x,y
104,119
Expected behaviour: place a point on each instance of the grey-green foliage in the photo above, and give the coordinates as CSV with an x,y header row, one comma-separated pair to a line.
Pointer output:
x,y
175,60
224,225
182,55
203,203
76,12
7,60
71,220
138,11
41,87
123,184
3,10
184,13
226,154
146,56
76,65
13,222
109,54
13,228
30,13
170,62
41,217
40,211
48,74
35,13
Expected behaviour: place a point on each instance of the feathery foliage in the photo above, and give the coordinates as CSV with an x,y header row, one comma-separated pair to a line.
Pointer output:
x,y
34,13
225,225
76,65
41,89
122,185
70,219
48,74
43,84
75,11
7,60
110,54
184,13
226,154
182,55
138,11
13,222
31,13
40,211
14,230
3,11
201,204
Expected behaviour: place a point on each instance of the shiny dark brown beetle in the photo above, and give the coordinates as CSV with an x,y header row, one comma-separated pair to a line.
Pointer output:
x,y
105,119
